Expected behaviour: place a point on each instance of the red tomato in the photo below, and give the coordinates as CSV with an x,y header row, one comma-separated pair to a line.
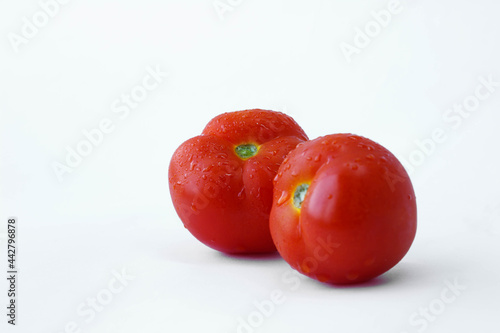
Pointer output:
x,y
221,181
344,209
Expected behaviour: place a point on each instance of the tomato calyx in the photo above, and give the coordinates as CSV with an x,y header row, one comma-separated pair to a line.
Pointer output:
x,y
247,150
299,195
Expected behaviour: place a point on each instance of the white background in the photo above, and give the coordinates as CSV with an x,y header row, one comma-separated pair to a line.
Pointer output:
x,y
113,211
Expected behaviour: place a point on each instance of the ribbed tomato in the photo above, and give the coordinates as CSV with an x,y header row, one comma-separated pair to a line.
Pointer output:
x,y
221,181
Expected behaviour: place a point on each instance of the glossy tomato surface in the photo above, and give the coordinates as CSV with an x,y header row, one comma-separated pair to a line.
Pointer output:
x,y
344,209
221,181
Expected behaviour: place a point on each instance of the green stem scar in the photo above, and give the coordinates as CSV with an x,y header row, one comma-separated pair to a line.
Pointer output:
x,y
299,195
246,151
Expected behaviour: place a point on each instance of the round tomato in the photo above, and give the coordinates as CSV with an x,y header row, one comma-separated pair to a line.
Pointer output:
x,y
344,209
221,181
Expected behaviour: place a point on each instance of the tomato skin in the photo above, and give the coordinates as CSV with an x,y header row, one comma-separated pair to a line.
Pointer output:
x,y
358,218
222,199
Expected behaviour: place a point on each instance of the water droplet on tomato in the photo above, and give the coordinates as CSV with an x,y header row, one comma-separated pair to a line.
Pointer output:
x,y
294,173
317,158
221,155
370,156
241,194
283,198
305,268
